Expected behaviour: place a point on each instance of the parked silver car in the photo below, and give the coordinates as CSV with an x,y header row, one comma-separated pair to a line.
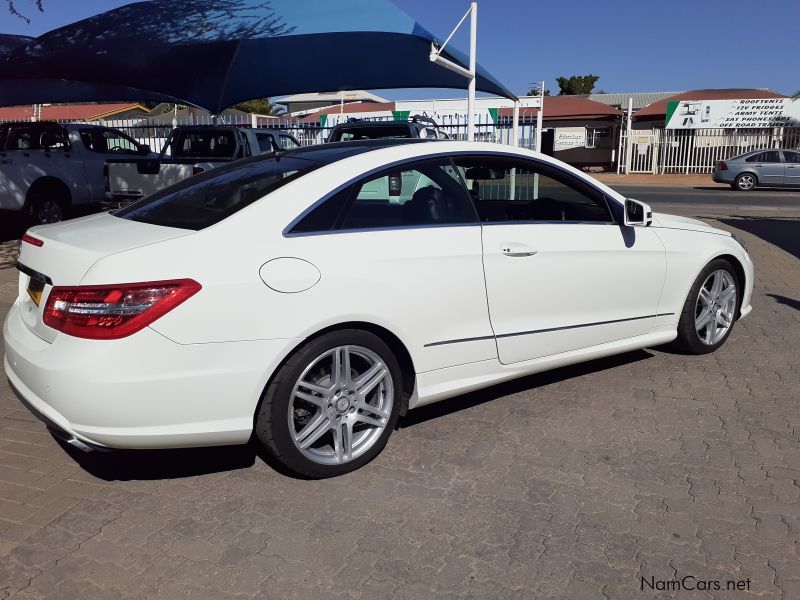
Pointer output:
x,y
760,168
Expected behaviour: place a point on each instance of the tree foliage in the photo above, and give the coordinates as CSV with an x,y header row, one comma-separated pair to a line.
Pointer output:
x,y
261,106
576,84
12,8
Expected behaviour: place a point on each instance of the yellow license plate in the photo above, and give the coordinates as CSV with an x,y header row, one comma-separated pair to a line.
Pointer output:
x,y
35,289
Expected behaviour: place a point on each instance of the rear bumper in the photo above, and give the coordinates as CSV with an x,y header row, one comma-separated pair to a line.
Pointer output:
x,y
144,391
722,177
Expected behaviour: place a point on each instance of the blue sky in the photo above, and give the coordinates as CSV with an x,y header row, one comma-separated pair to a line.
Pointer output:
x,y
631,45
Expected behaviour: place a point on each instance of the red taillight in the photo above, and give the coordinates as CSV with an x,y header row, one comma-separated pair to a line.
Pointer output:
x,y
29,239
110,312
395,184
198,170
722,166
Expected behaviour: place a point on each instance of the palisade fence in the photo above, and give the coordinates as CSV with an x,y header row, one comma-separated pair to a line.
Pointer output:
x,y
660,150
310,130
655,150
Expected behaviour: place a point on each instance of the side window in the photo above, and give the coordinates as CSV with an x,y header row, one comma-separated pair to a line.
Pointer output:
x,y
428,193
515,190
769,156
264,142
108,141
118,143
287,142
791,157
37,137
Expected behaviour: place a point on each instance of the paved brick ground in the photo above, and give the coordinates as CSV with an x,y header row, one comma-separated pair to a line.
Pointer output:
x,y
572,484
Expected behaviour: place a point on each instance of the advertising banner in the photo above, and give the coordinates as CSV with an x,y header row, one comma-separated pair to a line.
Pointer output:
x,y
569,137
755,113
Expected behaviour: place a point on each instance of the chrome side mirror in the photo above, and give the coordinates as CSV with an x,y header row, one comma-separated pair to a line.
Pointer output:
x,y
637,214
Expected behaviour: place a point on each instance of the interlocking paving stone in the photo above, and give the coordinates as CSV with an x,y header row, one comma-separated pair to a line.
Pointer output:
x,y
574,484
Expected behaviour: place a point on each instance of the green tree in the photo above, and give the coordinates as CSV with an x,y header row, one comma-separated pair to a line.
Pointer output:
x,y
12,8
261,106
576,84
534,91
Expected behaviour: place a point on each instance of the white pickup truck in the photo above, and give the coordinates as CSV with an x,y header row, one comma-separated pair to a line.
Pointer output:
x,y
46,167
189,150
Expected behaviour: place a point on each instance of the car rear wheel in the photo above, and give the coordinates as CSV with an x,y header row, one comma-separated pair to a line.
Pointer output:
x,y
745,182
332,405
710,310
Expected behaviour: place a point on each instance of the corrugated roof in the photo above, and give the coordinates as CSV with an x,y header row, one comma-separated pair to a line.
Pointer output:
x,y
68,112
565,108
659,109
640,99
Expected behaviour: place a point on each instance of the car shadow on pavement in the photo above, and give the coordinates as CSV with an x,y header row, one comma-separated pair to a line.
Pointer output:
x,y
783,233
724,187
126,465
790,302
465,401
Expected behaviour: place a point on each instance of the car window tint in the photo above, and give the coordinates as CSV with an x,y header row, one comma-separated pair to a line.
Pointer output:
x,y
264,142
200,144
517,190
46,136
791,157
770,156
208,198
428,193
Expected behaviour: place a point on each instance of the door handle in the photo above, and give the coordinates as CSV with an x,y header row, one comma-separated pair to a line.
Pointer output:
x,y
516,250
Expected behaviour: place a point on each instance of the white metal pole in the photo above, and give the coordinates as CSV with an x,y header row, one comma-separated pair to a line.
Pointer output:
x,y
473,42
539,116
515,125
628,140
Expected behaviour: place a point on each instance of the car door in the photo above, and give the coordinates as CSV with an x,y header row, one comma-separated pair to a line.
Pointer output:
x,y
415,265
768,167
102,144
791,168
561,274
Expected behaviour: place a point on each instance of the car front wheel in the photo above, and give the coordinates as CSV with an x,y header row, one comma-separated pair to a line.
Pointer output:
x,y
710,310
332,405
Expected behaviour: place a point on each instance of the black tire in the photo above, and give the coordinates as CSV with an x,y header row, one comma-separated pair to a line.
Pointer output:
x,y
271,419
688,340
46,203
745,182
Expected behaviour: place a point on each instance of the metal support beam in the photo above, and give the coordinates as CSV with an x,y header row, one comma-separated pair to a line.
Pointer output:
x,y
469,74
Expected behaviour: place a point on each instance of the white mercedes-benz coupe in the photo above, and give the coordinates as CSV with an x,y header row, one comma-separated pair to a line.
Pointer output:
x,y
310,298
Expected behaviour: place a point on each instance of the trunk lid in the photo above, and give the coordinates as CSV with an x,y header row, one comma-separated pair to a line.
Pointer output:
x,y
69,250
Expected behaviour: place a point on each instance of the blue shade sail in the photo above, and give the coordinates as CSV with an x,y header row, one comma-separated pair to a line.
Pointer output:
x,y
217,53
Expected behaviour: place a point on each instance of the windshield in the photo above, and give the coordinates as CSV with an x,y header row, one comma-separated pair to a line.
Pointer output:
x,y
201,201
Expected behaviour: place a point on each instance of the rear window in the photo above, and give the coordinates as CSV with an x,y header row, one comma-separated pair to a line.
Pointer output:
x,y
376,132
202,200
207,144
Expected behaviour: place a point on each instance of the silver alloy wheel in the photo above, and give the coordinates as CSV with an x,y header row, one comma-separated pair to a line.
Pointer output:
x,y
746,182
340,405
715,308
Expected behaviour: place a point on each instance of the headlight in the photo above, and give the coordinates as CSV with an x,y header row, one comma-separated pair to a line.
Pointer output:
x,y
742,243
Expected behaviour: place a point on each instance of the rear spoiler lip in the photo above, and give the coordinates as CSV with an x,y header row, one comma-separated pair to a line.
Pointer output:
x,y
35,275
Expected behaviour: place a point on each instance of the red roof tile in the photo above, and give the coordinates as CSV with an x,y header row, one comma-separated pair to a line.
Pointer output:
x,y
68,112
659,109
